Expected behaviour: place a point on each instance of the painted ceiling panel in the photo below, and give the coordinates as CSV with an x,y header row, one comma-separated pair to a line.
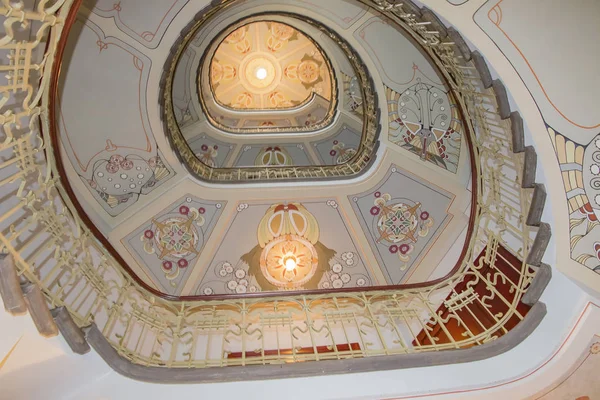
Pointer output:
x,y
168,245
118,160
252,255
402,217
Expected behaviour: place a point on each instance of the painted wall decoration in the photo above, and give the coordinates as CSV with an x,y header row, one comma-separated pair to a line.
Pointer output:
x,y
285,246
143,20
268,65
424,120
580,166
211,152
402,217
117,159
273,155
570,109
422,115
118,181
169,244
340,148
582,382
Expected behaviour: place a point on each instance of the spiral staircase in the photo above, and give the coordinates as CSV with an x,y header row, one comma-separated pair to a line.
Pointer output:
x,y
350,199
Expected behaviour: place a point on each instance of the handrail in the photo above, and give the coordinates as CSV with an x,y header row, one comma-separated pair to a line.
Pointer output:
x,y
51,246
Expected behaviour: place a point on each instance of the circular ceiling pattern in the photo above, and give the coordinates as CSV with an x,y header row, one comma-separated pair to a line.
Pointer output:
x,y
268,65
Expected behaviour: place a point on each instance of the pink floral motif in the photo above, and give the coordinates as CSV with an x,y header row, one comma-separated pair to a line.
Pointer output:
x,y
127,165
116,159
148,234
184,210
112,168
405,249
183,263
168,265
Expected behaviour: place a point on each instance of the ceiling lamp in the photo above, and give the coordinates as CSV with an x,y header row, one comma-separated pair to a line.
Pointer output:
x,y
261,73
290,263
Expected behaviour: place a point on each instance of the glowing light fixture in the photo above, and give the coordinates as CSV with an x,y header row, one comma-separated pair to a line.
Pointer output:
x,y
290,263
261,73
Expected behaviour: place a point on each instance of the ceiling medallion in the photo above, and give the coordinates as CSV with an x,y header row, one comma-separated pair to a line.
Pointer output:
x,y
287,234
289,261
268,65
260,73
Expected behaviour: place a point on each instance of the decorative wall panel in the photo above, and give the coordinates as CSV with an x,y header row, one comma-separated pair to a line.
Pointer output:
x,y
254,253
143,20
273,155
169,244
118,159
580,167
339,148
402,217
422,116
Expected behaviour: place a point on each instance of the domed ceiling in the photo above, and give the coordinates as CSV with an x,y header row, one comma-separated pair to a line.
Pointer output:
x,y
214,194
268,65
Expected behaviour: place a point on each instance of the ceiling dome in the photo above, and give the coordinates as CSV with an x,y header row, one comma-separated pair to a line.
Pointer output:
x,y
267,65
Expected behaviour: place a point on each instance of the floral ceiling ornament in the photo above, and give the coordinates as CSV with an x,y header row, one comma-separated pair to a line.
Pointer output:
x,y
267,65
424,120
400,223
289,254
123,177
273,156
340,153
175,240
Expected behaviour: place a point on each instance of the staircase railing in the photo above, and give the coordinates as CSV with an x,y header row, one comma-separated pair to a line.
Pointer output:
x,y
48,249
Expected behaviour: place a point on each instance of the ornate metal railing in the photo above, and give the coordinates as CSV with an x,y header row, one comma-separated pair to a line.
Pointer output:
x,y
49,246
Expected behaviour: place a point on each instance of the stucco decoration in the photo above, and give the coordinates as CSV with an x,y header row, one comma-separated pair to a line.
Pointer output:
x,y
268,65
580,166
402,217
168,245
285,246
118,159
145,21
